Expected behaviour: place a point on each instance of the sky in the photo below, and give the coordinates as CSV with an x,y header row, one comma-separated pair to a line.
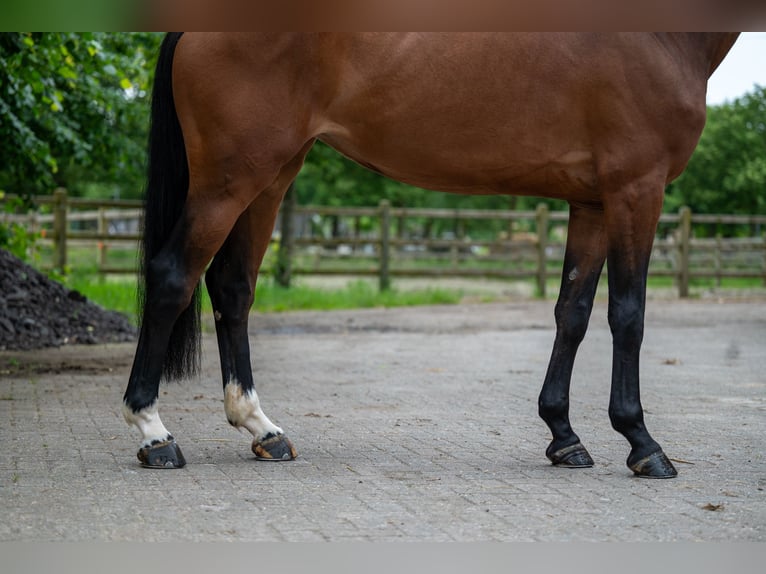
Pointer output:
x,y
743,67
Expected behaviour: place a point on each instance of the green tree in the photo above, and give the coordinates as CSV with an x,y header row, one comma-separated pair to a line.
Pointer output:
x,y
727,173
74,109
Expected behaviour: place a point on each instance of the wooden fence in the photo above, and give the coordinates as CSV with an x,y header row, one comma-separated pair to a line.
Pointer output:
x,y
388,242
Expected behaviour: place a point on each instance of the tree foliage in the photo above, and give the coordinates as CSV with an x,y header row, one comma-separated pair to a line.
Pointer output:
x,y
74,111
727,173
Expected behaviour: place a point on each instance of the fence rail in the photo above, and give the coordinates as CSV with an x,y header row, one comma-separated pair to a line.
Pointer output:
x,y
388,242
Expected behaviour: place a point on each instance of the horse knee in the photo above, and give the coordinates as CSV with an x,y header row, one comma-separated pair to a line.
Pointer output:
x,y
572,321
626,322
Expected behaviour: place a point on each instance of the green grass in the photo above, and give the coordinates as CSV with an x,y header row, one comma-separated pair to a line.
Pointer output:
x,y
119,294
707,283
356,294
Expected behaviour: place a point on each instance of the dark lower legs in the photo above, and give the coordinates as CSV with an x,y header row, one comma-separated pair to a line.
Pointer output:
x,y
629,237
626,321
631,219
584,258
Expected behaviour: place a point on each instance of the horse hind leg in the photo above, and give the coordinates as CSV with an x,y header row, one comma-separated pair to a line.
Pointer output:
x,y
583,261
169,288
171,278
231,281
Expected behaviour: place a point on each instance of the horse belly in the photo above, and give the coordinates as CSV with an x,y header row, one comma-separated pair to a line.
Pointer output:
x,y
472,165
468,114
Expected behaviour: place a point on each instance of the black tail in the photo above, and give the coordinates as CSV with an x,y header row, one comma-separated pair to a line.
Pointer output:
x,y
166,188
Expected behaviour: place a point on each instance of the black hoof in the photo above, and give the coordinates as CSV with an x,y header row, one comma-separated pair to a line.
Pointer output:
x,y
274,448
162,455
655,465
573,456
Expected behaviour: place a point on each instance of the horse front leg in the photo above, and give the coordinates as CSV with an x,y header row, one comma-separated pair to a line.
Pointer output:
x,y
632,217
231,283
583,261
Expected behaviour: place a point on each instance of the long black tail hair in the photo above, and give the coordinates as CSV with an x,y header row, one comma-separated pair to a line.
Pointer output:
x,y
166,189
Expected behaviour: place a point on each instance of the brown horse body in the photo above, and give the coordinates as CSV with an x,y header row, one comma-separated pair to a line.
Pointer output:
x,y
603,121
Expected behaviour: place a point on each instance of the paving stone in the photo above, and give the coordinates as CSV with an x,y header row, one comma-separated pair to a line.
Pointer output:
x,y
411,424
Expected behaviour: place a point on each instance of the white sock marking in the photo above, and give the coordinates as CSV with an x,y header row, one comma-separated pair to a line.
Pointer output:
x,y
148,422
244,410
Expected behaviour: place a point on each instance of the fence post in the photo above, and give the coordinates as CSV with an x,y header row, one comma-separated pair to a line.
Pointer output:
x,y
59,228
763,239
685,223
103,228
718,259
283,269
357,232
34,227
385,246
542,244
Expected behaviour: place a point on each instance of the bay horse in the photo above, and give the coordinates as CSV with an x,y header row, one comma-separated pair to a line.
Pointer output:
x,y
603,121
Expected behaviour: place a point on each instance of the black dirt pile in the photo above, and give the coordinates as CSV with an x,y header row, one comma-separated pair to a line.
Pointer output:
x,y
36,312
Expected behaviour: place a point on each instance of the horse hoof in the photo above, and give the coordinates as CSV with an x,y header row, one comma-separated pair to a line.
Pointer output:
x,y
573,456
655,465
165,454
274,448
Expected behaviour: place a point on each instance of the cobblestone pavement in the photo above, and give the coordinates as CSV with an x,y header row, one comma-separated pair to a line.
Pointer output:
x,y
411,424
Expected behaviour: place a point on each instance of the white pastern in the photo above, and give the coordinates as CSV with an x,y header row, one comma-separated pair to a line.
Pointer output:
x,y
148,422
243,409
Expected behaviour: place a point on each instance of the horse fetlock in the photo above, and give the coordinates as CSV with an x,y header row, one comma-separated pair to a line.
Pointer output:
x,y
147,421
243,409
552,410
627,420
